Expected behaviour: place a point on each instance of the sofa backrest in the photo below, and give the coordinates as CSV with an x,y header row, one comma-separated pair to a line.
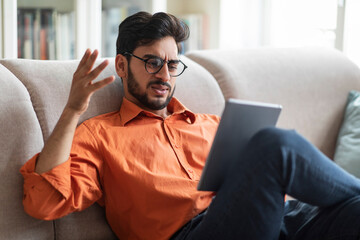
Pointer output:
x,y
47,85
33,94
20,139
49,82
312,84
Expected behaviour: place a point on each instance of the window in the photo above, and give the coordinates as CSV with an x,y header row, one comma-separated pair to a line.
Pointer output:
x,y
302,23
278,23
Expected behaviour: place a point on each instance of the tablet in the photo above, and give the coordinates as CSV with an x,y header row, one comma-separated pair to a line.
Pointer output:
x,y
240,120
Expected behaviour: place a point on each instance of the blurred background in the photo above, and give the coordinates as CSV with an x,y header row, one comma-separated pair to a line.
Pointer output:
x,y
52,29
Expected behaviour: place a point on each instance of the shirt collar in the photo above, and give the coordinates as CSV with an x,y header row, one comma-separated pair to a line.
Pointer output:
x,y
130,110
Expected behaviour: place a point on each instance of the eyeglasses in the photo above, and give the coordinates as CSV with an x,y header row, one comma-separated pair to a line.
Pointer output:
x,y
153,65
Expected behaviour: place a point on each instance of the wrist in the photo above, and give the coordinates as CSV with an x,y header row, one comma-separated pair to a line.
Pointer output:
x,y
72,113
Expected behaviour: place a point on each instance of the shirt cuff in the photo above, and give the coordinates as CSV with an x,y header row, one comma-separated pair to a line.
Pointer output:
x,y
58,177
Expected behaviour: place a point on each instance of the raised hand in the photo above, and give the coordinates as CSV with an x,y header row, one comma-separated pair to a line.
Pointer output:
x,y
82,86
57,148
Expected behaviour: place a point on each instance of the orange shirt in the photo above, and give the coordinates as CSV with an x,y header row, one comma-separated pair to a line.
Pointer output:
x,y
143,168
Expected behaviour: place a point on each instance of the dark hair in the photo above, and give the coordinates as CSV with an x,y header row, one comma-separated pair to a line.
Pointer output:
x,y
143,28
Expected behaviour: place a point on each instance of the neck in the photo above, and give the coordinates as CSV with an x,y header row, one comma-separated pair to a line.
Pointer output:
x,y
164,113
161,112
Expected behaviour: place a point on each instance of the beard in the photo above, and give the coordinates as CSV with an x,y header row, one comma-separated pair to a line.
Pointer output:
x,y
143,98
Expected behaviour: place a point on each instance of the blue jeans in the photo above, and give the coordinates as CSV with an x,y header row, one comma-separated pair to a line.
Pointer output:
x,y
250,203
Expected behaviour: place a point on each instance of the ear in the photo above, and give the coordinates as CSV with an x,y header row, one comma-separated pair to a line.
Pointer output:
x,y
121,65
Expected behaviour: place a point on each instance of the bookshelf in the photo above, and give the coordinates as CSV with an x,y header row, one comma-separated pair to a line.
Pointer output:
x,y
52,29
36,34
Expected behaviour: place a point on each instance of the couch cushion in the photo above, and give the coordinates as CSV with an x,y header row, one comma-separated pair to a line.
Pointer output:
x,y
20,139
311,83
48,83
197,89
347,153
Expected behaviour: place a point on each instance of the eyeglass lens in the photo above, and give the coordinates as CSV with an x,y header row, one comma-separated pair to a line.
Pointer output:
x,y
153,65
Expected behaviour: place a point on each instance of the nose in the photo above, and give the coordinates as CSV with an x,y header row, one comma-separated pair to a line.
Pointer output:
x,y
164,73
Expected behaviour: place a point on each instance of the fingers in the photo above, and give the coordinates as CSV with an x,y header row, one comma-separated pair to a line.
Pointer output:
x,y
96,72
96,86
82,86
84,58
84,75
91,60
87,62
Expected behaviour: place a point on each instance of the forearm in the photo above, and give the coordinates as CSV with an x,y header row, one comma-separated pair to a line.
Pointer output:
x,y
57,148
59,190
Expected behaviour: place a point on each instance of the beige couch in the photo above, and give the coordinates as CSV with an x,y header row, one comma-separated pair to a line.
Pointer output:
x,y
311,84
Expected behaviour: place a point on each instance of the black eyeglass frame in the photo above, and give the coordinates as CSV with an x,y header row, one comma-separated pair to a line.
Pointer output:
x,y
162,60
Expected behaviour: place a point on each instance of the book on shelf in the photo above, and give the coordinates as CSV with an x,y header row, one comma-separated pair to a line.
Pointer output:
x,y
26,21
45,34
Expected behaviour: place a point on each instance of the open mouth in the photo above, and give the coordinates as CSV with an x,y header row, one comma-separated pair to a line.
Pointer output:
x,y
159,89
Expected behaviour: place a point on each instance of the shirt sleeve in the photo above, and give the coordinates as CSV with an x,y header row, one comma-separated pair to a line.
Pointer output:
x,y
71,186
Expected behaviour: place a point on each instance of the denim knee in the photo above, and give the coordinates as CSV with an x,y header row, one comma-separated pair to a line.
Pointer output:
x,y
269,147
275,137
274,146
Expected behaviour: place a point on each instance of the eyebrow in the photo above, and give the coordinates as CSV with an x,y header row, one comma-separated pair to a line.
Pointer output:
x,y
154,56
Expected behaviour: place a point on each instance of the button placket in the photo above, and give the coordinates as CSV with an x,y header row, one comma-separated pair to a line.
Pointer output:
x,y
176,146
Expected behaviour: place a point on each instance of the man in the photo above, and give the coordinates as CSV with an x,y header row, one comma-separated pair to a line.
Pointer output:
x,y
144,162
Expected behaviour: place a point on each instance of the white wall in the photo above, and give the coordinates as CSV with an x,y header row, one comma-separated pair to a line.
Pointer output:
x,y
241,23
352,30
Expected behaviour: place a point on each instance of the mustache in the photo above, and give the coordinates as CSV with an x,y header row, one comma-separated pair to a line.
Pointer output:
x,y
160,83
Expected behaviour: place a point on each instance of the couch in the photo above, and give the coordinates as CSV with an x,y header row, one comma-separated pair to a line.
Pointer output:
x,y
312,84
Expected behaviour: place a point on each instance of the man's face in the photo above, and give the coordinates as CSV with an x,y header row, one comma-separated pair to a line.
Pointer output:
x,y
151,91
